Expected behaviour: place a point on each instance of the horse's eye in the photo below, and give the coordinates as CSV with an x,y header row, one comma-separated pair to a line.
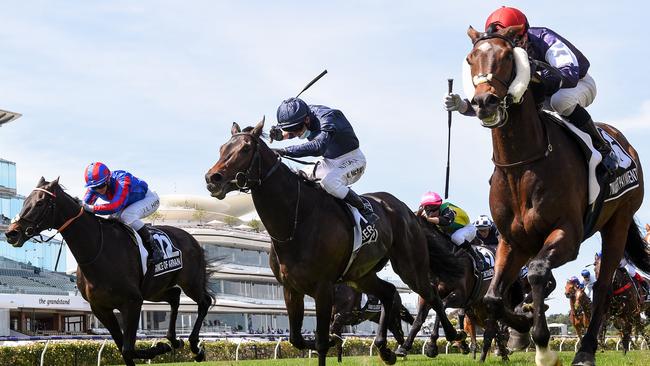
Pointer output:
x,y
39,203
246,148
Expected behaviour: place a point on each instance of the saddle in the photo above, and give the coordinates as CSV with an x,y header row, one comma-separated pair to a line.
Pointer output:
x,y
602,186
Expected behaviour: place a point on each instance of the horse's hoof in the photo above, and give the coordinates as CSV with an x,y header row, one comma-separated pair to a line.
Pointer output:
x,y
464,348
388,356
401,352
431,350
200,356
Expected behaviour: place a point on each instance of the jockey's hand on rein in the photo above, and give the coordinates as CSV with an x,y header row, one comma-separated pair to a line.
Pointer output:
x,y
88,208
275,133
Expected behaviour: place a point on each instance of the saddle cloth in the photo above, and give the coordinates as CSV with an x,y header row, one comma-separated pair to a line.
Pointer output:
x,y
172,256
625,178
363,234
489,258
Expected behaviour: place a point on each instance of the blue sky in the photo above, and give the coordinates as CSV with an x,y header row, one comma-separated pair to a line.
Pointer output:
x,y
153,86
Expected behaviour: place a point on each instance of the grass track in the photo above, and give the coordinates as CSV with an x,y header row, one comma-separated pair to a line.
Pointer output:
x,y
609,358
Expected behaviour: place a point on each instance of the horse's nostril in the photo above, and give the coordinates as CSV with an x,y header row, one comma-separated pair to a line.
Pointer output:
x,y
216,178
491,99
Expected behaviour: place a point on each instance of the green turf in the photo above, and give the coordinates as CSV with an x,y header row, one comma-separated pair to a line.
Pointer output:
x,y
610,358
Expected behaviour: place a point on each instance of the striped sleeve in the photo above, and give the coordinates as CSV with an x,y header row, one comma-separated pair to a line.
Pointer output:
x,y
90,197
123,187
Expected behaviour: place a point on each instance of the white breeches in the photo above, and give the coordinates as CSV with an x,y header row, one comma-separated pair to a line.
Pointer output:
x,y
132,214
564,101
337,174
465,233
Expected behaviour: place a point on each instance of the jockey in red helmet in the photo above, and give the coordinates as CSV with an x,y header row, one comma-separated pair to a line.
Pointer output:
x,y
128,199
568,91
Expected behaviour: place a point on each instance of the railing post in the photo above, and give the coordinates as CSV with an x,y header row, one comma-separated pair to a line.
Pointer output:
x,y
277,346
561,343
237,350
425,344
99,354
617,343
372,343
447,348
642,343
44,350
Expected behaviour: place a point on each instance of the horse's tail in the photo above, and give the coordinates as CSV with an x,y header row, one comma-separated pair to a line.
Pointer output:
x,y
211,266
636,249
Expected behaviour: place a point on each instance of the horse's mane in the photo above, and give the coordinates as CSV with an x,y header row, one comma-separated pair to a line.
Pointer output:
x,y
441,256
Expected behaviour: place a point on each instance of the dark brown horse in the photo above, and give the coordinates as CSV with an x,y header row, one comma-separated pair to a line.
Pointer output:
x,y
625,307
348,310
109,275
312,239
539,219
579,307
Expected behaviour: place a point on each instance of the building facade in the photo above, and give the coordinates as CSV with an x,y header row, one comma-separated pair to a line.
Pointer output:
x,y
44,256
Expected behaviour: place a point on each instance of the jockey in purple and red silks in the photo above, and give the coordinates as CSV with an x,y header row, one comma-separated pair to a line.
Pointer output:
x,y
568,93
128,200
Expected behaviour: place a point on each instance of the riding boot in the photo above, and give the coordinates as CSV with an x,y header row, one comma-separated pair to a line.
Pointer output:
x,y
363,206
147,240
581,119
477,259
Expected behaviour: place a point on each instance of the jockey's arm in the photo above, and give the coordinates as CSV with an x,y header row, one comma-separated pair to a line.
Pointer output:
x,y
315,147
90,197
560,56
122,189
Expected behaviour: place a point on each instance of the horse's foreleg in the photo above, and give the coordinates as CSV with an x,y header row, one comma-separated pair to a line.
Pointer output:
x,y
423,311
204,300
131,317
613,249
506,270
431,350
296,312
108,319
324,298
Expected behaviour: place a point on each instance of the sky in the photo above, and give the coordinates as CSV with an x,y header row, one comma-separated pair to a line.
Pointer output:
x,y
153,86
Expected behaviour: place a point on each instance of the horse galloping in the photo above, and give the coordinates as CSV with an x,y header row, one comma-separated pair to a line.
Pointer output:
x,y
312,238
104,248
579,307
540,220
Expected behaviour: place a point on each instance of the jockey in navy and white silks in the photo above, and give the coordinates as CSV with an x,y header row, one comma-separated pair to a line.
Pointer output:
x,y
331,136
128,199
568,91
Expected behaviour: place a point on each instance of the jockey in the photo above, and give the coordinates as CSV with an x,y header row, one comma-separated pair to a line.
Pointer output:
x,y
570,91
631,271
486,231
587,282
452,220
331,136
128,200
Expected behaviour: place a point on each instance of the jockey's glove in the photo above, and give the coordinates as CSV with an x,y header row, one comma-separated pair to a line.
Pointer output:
x,y
89,208
453,102
275,133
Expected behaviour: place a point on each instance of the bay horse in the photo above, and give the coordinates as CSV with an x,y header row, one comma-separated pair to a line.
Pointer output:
x,y
540,220
579,307
311,235
625,308
348,310
109,273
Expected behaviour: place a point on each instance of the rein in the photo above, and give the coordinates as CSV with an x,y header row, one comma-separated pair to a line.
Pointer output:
x,y
245,177
542,155
29,230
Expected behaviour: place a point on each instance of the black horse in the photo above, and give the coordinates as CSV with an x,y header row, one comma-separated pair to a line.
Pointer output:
x,y
312,239
348,310
109,275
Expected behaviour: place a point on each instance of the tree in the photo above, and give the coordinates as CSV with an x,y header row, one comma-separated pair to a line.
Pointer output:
x,y
255,224
230,220
199,215
156,216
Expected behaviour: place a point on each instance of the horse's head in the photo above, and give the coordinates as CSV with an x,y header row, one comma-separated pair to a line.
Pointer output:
x,y
570,288
239,162
38,213
496,74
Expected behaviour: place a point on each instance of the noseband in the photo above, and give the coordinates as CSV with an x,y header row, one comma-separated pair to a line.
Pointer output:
x,y
33,227
243,179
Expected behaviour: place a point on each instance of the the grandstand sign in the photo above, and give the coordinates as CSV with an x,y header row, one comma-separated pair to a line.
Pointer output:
x,y
16,301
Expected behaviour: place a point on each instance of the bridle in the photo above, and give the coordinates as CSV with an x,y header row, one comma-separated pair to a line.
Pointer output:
x,y
34,224
243,179
507,100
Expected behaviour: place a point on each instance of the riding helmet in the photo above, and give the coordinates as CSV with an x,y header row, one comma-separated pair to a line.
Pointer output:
x,y
96,174
291,114
431,199
505,17
483,222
